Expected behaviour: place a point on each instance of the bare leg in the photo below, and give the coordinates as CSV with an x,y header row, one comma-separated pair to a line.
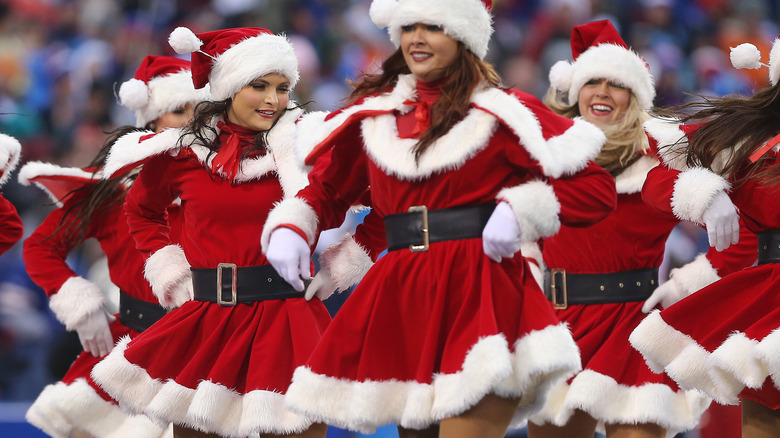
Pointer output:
x,y
580,425
186,432
431,432
78,433
643,430
489,418
758,421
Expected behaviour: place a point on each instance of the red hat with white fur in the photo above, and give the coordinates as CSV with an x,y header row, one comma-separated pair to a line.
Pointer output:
x,y
467,21
10,150
599,52
161,84
230,59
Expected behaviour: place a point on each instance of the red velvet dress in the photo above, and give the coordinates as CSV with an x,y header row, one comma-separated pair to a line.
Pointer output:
x,y
220,369
426,335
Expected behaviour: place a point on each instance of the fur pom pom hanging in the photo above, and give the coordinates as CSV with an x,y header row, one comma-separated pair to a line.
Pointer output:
x,y
560,75
381,12
183,41
745,56
134,94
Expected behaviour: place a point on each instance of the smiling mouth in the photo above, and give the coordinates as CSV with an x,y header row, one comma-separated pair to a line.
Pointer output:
x,y
421,56
600,109
268,114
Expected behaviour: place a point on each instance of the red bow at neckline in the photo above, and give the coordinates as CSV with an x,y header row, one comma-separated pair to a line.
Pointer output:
x,y
228,158
422,114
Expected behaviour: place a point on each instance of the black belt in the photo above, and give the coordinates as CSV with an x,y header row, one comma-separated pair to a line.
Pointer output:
x,y
227,285
420,227
564,289
768,247
138,314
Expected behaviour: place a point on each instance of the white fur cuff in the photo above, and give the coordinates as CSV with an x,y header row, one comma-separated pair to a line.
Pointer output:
x,y
346,261
693,193
165,269
76,299
695,275
536,208
292,211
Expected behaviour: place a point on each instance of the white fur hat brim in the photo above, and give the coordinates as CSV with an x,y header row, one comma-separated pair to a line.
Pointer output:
x,y
467,21
168,93
611,62
774,62
249,59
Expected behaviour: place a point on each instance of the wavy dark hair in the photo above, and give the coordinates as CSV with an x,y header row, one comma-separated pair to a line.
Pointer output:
x,y
734,127
202,127
462,77
94,199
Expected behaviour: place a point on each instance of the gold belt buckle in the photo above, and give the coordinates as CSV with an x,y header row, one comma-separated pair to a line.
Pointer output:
x,y
554,289
234,269
426,237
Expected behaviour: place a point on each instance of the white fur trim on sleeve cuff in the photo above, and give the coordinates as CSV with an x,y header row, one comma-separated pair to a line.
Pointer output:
x,y
693,192
695,275
165,269
291,211
346,261
75,299
536,208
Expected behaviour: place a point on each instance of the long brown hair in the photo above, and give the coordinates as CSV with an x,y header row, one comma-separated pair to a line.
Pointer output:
x,y
734,128
462,77
102,196
625,138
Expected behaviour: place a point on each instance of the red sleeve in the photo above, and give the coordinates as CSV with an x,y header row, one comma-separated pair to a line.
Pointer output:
x,y
337,179
586,197
146,205
658,188
371,234
738,256
45,252
10,225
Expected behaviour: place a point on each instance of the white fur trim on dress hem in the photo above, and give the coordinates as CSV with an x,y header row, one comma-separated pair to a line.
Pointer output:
x,y
346,261
668,350
539,360
610,402
45,417
768,353
210,407
536,208
693,192
733,365
75,299
291,211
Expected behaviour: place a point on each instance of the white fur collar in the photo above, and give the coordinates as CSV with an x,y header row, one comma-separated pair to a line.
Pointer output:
x,y
281,142
633,177
672,143
54,180
562,155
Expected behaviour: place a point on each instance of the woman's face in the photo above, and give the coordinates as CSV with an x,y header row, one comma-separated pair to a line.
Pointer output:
x,y
427,50
603,102
259,104
174,119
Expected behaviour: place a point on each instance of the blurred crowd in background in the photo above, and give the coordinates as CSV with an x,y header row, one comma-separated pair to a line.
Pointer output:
x,y
61,62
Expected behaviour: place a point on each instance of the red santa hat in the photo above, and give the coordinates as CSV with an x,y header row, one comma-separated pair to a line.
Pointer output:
x,y
467,21
229,59
747,56
161,84
599,52
10,150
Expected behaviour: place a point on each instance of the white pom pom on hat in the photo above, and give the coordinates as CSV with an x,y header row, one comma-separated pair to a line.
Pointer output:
x,y
183,40
560,75
134,94
745,56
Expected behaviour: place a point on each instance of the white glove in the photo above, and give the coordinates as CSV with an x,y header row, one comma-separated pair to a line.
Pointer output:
x,y
94,334
722,222
322,286
290,255
501,235
666,294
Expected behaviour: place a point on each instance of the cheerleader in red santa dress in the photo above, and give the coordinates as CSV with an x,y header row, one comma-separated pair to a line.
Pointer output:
x,y
448,334
220,364
601,278
723,340
10,224
162,95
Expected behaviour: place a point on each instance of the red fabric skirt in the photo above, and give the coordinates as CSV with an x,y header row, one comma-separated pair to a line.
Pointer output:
x,y
722,340
427,335
78,403
219,369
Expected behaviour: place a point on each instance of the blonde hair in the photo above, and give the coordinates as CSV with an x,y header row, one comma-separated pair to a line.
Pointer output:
x,y
625,138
